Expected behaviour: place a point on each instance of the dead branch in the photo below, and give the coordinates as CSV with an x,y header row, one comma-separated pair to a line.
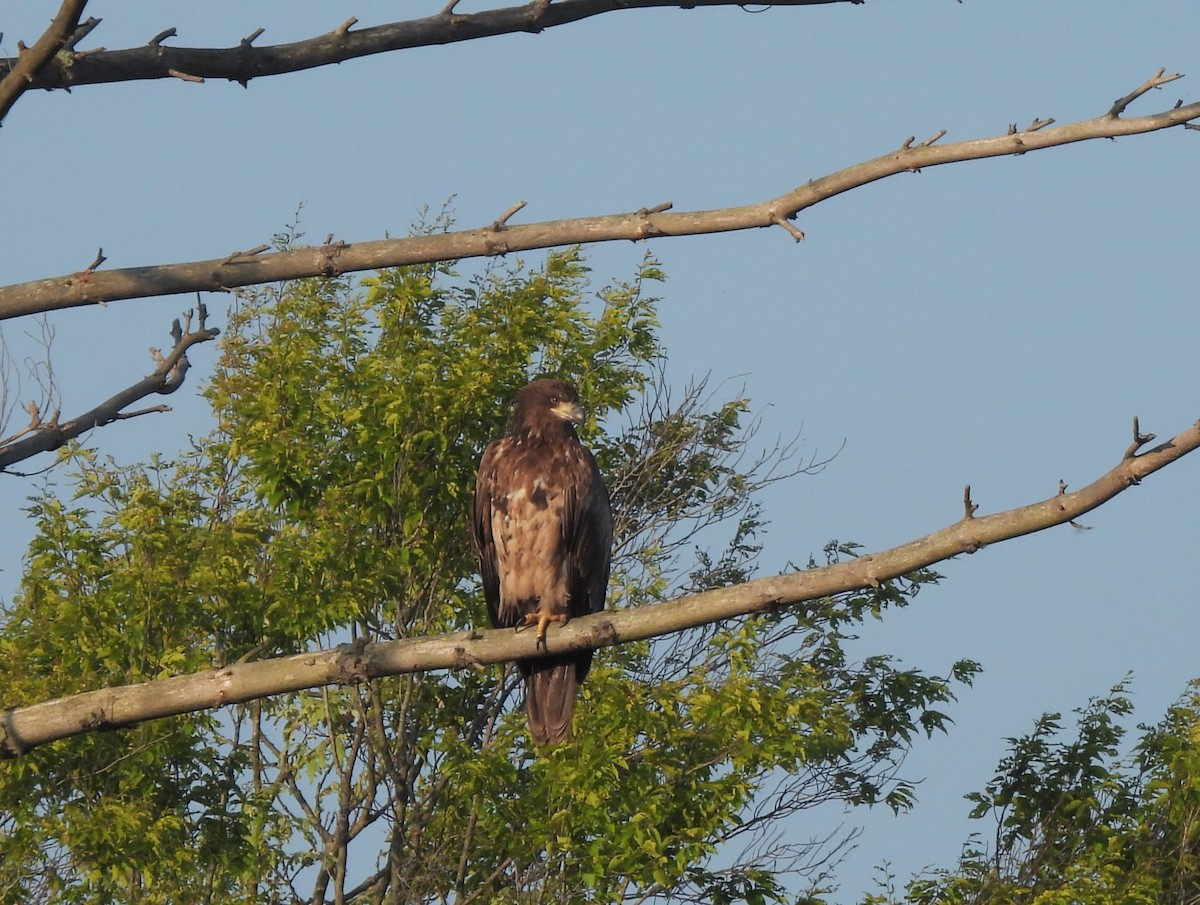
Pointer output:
x,y
1155,81
42,436
244,62
244,269
501,222
25,727
1139,440
19,75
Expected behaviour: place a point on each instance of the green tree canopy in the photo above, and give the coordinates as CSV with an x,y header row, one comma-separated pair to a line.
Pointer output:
x,y
330,504
1086,819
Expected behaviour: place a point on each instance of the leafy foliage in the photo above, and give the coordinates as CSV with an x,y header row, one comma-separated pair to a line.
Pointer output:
x,y
1077,821
330,504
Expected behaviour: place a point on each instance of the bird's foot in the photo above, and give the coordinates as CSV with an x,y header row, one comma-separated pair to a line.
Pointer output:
x,y
542,621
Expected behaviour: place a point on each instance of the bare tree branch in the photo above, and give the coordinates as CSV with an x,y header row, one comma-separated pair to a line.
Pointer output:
x,y
250,268
42,435
244,62
26,727
19,75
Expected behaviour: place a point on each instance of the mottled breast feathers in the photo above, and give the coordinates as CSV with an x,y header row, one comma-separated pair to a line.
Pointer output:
x,y
542,529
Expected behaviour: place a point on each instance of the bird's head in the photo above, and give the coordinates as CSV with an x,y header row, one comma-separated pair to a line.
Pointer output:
x,y
548,399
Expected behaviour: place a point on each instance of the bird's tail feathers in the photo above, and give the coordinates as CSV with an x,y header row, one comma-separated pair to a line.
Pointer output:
x,y
550,699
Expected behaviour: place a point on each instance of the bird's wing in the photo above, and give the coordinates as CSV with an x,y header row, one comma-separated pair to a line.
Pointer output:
x,y
588,533
481,530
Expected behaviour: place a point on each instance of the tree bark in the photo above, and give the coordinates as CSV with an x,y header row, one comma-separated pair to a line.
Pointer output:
x,y
244,61
22,73
24,728
92,286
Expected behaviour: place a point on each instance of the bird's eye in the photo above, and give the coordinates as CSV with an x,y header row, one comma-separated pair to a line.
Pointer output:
x,y
554,400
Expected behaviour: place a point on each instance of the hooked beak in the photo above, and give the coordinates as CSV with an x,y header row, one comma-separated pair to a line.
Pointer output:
x,y
569,411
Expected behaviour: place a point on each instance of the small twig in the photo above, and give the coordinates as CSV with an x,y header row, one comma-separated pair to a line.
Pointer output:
x,y
1155,81
788,225
154,409
448,9
35,423
185,76
499,224
252,653
1039,124
85,28
646,229
345,27
968,506
1062,490
930,141
1139,440
100,259
162,36
249,253
250,38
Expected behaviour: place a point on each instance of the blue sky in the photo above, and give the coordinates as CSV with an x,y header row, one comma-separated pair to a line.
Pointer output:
x,y
997,323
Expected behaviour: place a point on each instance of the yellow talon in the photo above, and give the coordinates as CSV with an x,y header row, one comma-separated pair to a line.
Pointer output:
x,y
542,621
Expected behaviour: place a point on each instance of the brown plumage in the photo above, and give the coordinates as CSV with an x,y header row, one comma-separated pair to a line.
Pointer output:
x,y
543,528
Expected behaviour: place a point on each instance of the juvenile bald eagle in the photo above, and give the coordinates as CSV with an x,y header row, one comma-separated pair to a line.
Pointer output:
x,y
542,529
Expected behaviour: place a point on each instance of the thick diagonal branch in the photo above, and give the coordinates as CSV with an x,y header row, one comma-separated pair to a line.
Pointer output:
x,y
43,436
19,75
244,62
92,287
25,727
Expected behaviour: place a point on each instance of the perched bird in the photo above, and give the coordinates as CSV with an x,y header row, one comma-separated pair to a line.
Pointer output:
x,y
543,529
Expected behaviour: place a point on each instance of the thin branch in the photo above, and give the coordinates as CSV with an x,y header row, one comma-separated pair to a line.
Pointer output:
x,y
19,75
24,728
185,76
502,221
247,270
1139,440
84,29
244,62
1155,81
35,423
43,436
970,507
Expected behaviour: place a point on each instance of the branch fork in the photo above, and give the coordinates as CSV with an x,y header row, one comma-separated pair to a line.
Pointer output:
x,y
1155,81
501,222
168,375
1139,440
646,228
